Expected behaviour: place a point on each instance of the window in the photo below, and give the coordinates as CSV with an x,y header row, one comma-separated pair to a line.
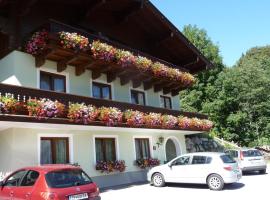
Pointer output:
x,y
54,82
14,180
54,151
137,97
101,91
166,102
105,149
232,153
142,148
252,153
30,179
227,159
201,160
67,178
182,161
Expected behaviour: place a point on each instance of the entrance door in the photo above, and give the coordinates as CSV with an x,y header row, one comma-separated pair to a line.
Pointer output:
x,y
170,150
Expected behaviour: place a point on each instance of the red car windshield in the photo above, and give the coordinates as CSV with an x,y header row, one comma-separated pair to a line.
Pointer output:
x,y
67,178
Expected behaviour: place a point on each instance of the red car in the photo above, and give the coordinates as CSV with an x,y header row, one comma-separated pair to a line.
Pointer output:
x,y
49,182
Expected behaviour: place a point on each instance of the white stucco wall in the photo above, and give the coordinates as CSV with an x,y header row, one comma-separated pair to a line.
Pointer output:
x,y
19,147
18,68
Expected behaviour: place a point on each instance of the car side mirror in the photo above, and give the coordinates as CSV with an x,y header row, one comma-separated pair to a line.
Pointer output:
x,y
170,165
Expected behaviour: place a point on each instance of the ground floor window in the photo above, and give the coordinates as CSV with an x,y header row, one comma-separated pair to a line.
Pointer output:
x,y
105,149
142,148
54,150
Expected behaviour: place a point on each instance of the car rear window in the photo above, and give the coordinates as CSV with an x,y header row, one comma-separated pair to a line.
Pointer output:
x,y
227,159
252,153
67,178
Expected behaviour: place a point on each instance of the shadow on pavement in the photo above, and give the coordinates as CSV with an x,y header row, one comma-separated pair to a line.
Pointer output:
x,y
233,186
119,187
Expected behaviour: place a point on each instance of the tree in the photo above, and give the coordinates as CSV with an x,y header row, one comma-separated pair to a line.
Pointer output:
x,y
193,99
241,110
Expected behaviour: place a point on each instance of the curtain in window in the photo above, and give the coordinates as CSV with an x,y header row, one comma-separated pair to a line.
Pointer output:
x,y
109,150
142,148
61,152
99,153
46,152
59,85
106,92
141,98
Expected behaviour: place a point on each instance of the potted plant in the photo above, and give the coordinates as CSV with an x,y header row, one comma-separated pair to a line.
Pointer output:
x,y
81,113
110,116
134,118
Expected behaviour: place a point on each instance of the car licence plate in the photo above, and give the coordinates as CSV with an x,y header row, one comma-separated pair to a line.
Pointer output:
x,y
78,196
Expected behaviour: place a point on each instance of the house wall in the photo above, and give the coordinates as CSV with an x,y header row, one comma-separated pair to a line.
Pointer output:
x,y
19,147
18,68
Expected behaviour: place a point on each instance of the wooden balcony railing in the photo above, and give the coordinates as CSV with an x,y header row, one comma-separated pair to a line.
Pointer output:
x,y
24,93
83,60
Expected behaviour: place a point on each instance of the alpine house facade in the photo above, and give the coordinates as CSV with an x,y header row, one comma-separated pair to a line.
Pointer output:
x,y
94,83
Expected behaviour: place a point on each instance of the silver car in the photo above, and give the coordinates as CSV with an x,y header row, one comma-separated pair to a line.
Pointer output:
x,y
249,160
213,169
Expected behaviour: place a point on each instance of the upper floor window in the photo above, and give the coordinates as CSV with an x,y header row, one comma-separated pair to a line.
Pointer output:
x,y
101,91
54,82
142,148
105,149
137,97
166,102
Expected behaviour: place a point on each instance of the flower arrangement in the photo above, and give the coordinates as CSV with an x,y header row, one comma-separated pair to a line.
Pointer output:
x,y
168,121
152,119
73,41
45,108
206,125
148,162
81,113
143,64
110,115
184,122
159,69
103,51
124,58
37,42
110,166
8,104
134,118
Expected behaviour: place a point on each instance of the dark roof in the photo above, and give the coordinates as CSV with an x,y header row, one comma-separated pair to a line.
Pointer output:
x,y
135,23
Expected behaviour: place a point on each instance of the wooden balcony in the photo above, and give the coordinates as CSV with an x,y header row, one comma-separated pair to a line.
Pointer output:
x,y
84,61
23,94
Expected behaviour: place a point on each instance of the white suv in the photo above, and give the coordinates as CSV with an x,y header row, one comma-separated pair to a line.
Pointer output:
x,y
213,169
249,160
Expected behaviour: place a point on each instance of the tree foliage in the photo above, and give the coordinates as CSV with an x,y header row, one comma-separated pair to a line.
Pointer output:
x,y
194,98
237,99
241,109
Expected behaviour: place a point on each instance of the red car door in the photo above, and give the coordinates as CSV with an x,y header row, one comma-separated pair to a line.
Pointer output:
x,y
26,187
10,184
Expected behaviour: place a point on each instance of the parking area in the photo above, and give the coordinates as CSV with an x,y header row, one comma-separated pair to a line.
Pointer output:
x,y
251,186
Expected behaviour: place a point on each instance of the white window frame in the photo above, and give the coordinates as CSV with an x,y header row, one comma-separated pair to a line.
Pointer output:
x,y
150,144
49,135
115,137
139,90
53,71
98,80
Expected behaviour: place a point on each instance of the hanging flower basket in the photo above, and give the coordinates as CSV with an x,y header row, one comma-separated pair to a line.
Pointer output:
x,y
37,42
80,113
152,120
146,163
168,121
111,166
110,116
134,118
103,51
73,41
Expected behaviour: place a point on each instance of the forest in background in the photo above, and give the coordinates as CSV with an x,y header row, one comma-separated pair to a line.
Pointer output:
x,y
237,98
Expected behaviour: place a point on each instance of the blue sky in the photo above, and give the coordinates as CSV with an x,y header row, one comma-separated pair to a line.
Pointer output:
x,y
235,25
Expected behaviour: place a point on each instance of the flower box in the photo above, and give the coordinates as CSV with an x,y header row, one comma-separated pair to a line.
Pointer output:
x,y
111,166
146,163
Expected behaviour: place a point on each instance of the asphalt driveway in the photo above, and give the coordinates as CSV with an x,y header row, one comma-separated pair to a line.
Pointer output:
x,y
251,186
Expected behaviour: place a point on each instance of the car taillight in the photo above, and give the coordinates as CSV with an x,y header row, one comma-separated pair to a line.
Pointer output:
x,y
229,168
95,193
241,155
48,196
